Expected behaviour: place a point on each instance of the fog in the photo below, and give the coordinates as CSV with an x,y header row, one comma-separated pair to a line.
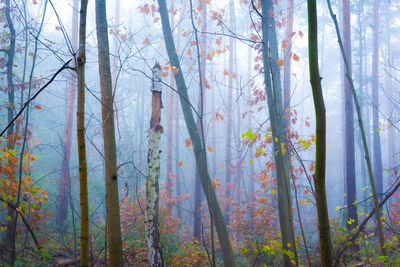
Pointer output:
x,y
225,173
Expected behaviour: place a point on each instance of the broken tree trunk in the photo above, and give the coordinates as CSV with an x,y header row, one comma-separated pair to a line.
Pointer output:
x,y
154,252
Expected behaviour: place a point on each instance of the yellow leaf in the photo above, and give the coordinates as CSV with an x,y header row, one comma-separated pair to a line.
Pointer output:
x,y
273,191
226,72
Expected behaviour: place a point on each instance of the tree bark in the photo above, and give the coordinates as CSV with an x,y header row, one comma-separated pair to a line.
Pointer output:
x,y
63,198
274,97
377,152
154,252
199,152
83,188
364,139
349,125
110,157
10,238
320,155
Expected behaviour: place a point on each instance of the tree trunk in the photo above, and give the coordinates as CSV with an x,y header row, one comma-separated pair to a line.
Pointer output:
x,y
320,155
83,188
288,64
10,238
361,125
228,137
110,157
377,152
63,198
154,252
274,97
349,125
198,150
197,187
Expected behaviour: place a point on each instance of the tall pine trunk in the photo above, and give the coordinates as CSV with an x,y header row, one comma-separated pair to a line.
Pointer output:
x,y
377,151
349,125
110,155
64,184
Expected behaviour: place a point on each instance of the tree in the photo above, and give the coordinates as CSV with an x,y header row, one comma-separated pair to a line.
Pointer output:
x,y
63,198
349,125
154,252
83,188
363,136
198,147
273,90
110,157
320,154
377,151
9,243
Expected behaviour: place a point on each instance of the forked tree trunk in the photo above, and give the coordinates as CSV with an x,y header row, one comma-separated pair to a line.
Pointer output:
x,y
320,154
83,188
199,152
274,97
154,252
110,156
64,184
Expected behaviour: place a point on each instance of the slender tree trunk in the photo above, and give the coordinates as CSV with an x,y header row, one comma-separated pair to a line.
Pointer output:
x,y
154,252
170,134
110,157
198,149
83,188
288,63
63,199
349,125
360,122
197,186
377,152
228,138
10,238
319,104
274,96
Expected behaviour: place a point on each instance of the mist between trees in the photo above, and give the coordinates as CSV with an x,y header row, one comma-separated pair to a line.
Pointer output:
x,y
199,133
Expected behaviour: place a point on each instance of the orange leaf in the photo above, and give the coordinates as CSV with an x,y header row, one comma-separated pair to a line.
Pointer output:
x,y
187,142
38,107
279,62
296,57
164,74
234,75
226,72
210,149
180,163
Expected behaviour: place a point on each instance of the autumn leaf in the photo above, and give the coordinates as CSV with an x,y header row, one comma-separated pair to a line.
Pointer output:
x,y
296,57
146,41
219,116
124,36
164,74
218,41
234,75
301,33
279,62
210,149
34,2
180,163
187,142
226,72
38,107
